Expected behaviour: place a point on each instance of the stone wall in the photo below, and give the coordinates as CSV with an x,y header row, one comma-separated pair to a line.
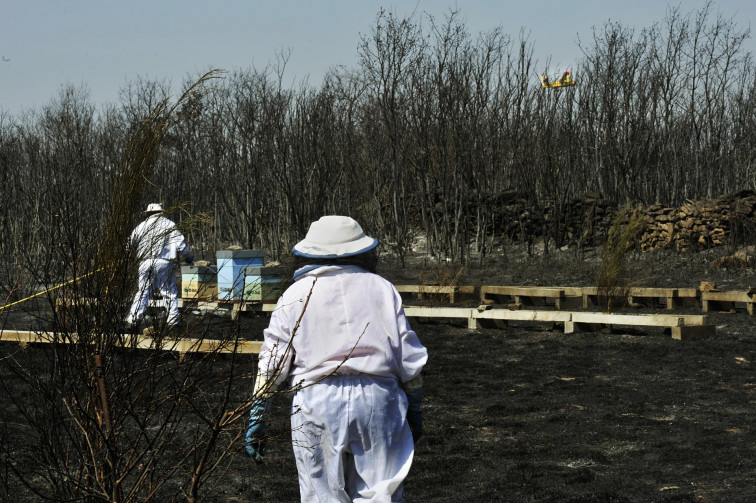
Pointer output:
x,y
693,226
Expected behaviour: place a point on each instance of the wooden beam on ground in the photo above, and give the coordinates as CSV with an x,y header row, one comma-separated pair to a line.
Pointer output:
x,y
180,345
684,326
653,320
506,315
581,319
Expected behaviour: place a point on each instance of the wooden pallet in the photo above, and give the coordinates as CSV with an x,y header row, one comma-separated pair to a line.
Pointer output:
x,y
142,341
682,327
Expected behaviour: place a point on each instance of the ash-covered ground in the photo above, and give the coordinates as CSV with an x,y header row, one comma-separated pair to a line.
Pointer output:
x,y
529,414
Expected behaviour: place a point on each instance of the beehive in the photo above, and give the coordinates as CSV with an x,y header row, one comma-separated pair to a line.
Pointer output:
x,y
263,284
199,282
231,265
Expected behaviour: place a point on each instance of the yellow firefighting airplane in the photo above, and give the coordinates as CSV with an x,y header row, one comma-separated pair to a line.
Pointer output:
x,y
564,81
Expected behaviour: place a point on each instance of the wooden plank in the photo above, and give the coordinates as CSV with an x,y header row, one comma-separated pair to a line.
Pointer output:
x,y
523,315
424,288
181,345
578,291
496,315
657,320
25,336
437,312
490,314
683,327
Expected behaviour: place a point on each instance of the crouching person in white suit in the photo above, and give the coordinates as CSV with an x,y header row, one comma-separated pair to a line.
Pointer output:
x,y
158,244
340,337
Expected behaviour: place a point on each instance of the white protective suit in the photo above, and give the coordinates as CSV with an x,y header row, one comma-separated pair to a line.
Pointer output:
x,y
347,361
158,244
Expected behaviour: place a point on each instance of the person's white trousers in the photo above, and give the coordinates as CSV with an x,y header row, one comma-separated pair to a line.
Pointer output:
x,y
156,274
351,440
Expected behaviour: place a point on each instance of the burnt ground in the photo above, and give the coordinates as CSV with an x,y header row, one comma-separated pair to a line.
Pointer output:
x,y
529,414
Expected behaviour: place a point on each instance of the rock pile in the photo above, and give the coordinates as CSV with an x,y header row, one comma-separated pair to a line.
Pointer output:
x,y
693,226
698,225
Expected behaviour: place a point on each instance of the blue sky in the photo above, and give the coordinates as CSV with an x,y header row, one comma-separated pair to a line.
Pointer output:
x,y
102,44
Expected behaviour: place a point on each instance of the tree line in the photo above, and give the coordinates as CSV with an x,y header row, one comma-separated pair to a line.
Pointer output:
x,y
426,136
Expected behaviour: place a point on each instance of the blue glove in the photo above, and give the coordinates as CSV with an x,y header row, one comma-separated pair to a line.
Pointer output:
x,y
255,442
189,258
415,413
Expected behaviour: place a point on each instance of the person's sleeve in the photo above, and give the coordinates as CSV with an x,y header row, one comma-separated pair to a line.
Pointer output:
x,y
413,355
184,250
177,239
176,247
277,352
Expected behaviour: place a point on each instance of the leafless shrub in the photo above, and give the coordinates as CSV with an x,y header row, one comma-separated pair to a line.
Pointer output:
x,y
611,281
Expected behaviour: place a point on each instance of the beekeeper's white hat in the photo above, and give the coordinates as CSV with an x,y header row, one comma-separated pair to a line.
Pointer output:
x,y
334,236
154,208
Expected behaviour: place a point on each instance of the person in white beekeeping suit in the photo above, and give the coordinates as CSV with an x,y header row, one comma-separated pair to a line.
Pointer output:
x,y
158,244
340,337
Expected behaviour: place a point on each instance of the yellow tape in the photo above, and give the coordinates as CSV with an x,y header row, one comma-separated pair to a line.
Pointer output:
x,y
49,289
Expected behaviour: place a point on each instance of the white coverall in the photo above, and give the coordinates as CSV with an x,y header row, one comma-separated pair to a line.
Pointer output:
x,y
347,361
158,244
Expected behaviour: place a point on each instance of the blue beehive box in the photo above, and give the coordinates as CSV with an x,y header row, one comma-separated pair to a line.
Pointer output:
x,y
231,265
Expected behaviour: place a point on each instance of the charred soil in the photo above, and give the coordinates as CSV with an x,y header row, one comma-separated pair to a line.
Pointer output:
x,y
529,414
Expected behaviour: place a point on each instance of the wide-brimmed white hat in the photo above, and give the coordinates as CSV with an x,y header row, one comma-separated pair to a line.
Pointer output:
x,y
334,236
154,208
